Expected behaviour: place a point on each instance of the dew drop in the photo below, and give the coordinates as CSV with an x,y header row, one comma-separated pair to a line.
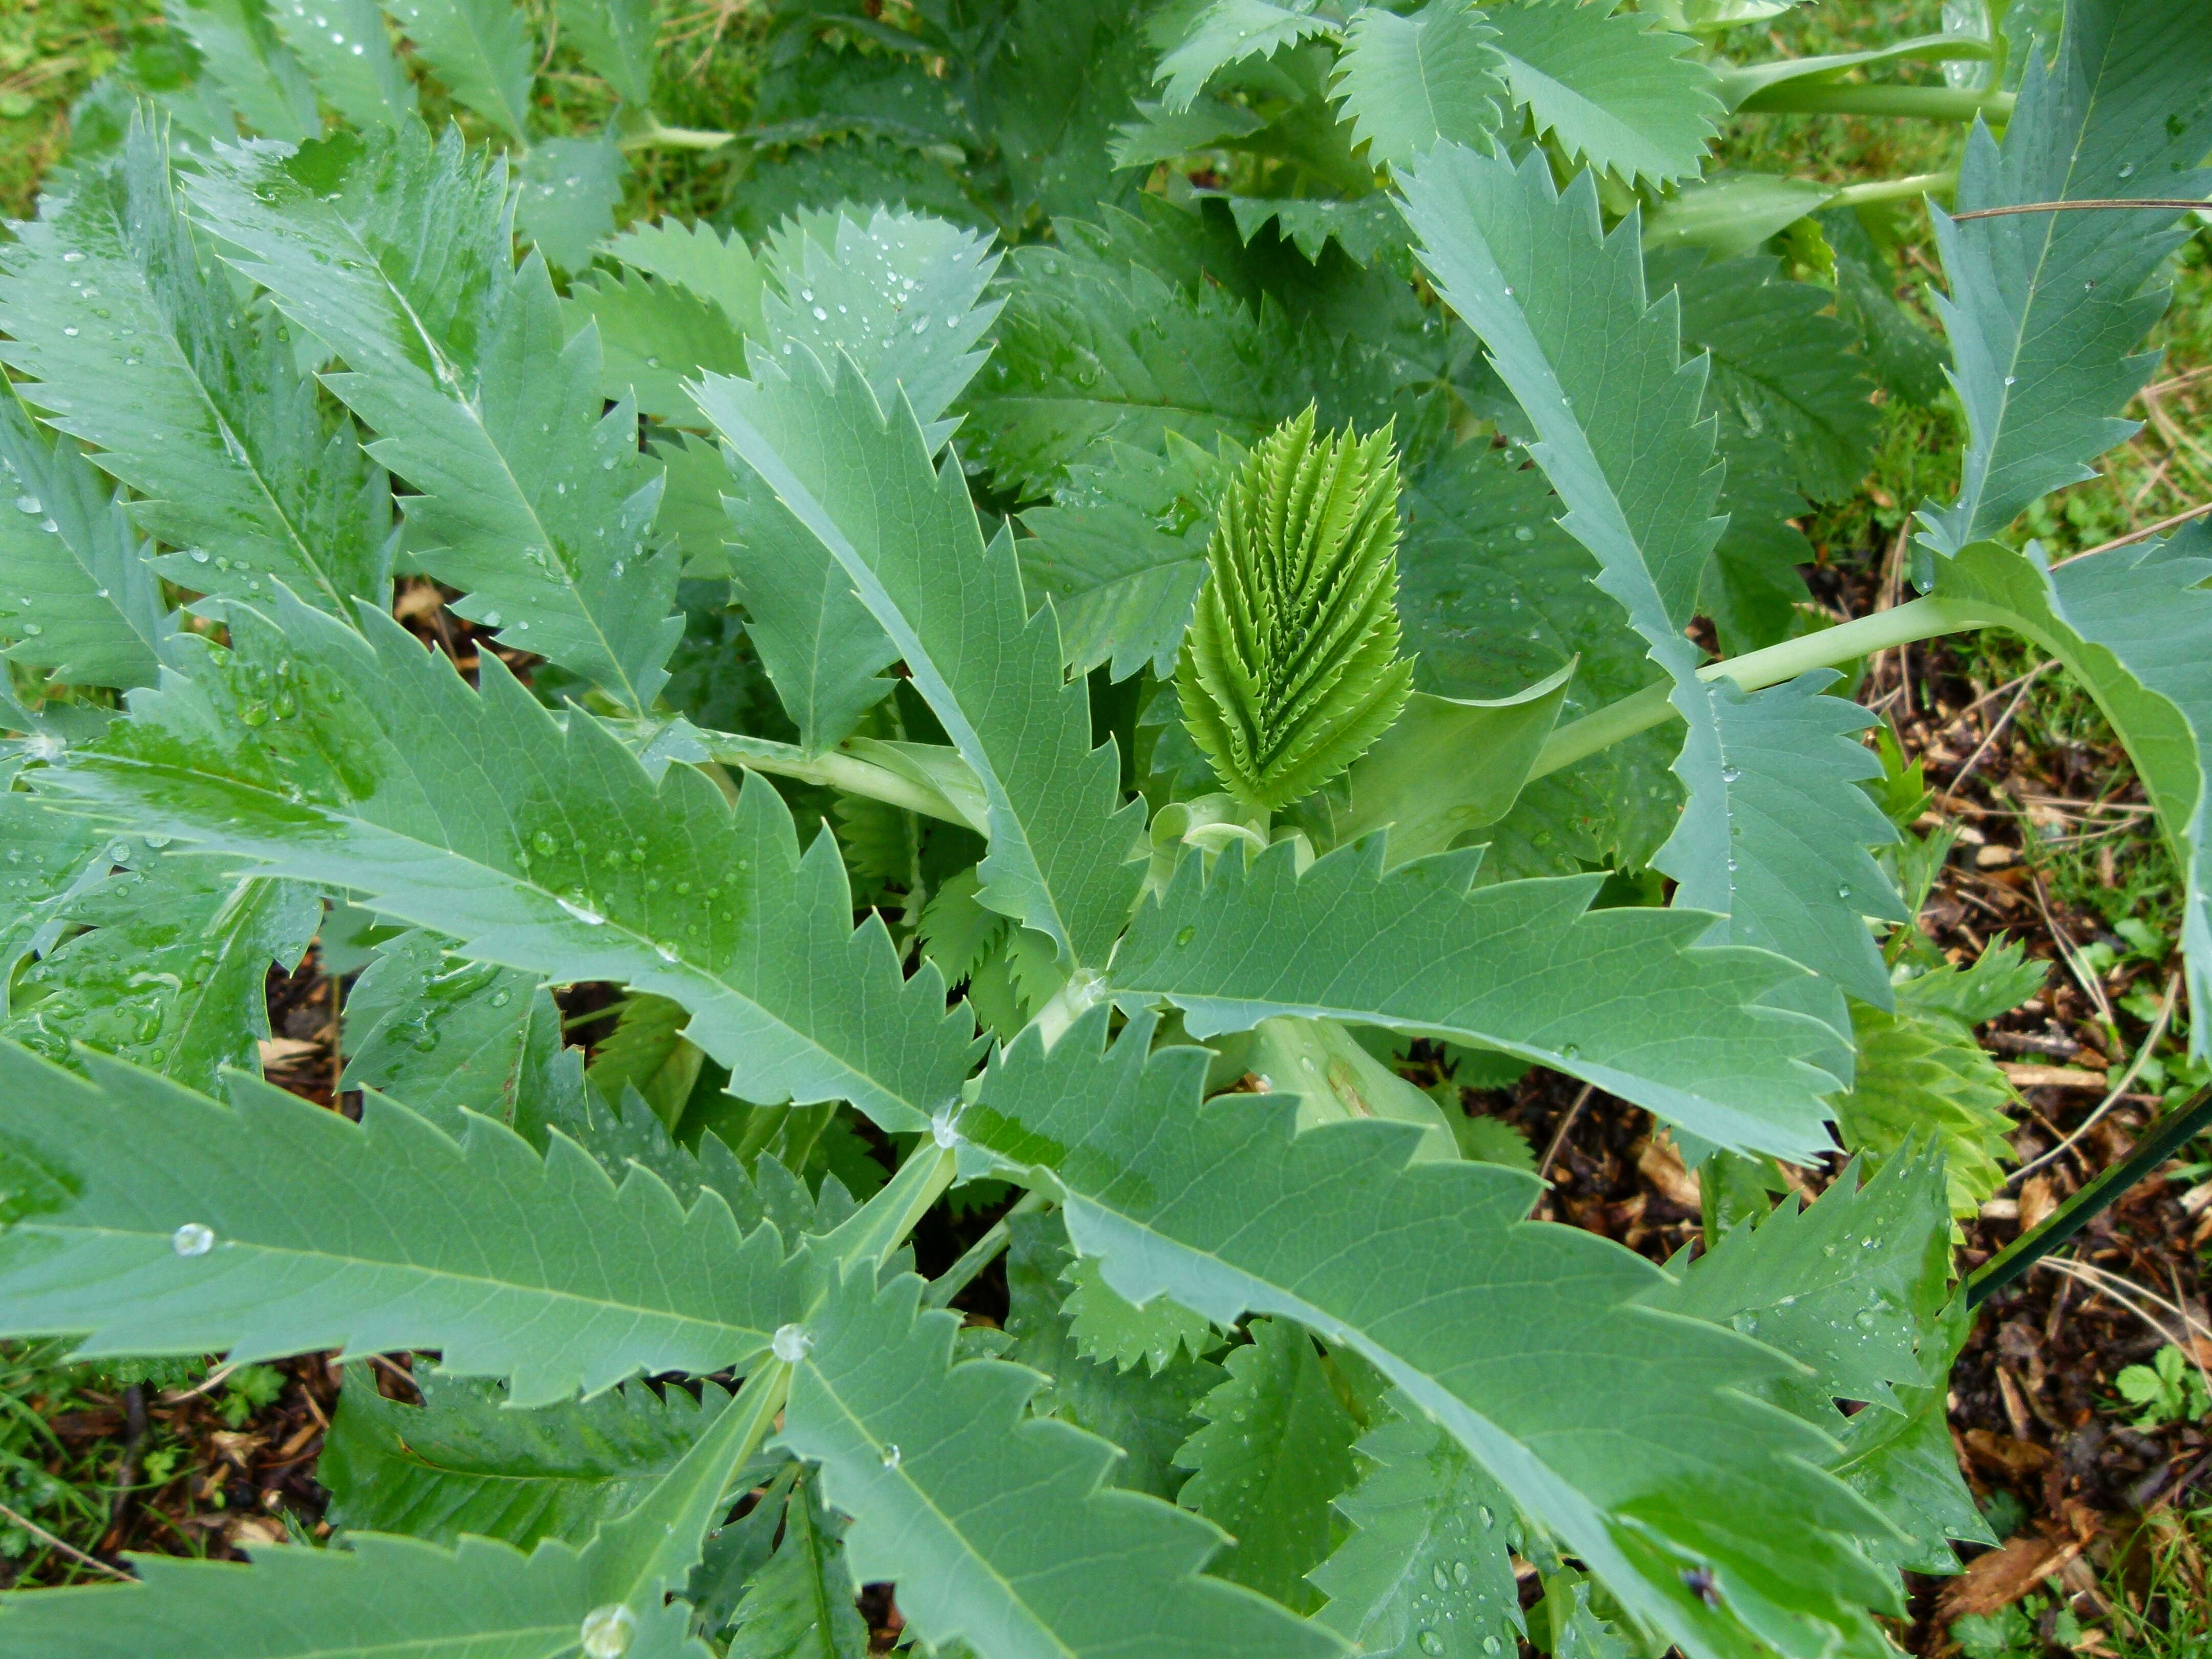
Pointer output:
x,y
1730,773
2127,170
1441,1576
1184,935
589,917
790,1344
1482,1513
667,950
820,315
1492,1645
193,1238
543,841
70,332
1431,1642
30,504
606,1631
1843,890
1522,534
892,1457
501,999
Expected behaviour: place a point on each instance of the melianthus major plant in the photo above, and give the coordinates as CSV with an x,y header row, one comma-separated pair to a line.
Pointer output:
x,y
1291,581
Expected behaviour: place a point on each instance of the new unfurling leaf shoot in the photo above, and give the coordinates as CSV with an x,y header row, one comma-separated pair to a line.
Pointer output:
x,y
1290,668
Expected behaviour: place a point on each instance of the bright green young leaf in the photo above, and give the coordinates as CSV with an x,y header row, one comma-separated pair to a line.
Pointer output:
x,y
154,1221
1625,999
859,480
1409,83
1121,552
401,1595
998,1530
1275,1454
2045,309
348,54
1291,670
647,1054
715,265
800,1605
1228,32
1626,1431
140,348
1741,83
1366,229
95,616
1921,1073
170,969
654,337
480,49
1161,134
1607,88
1428,1555
2134,625
538,845
396,254
618,38
240,51
57,857
465,1461
1563,311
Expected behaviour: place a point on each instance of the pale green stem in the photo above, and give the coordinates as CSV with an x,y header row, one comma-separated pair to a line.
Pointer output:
x,y
675,138
839,770
1830,98
1897,190
1639,711
980,1254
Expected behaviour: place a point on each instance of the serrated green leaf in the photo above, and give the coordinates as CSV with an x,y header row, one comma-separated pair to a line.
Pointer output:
x,y
691,511
568,859
567,192
347,53
2046,308
539,1271
800,1605
57,856
649,1056
1366,229
715,265
404,1596
1427,1557
997,1530
1161,134
654,335
1625,999
1275,1453
1922,1073
618,38
1607,88
2134,626
1147,1414
1623,443
1520,1338
1107,1329
1090,352
465,1461
441,1036
1838,1286
1781,368
480,49
396,254
1729,213
1410,83
1228,32
93,599
1906,1464
1122,552
901,298
170,971
241,52
956,929
192,400
860,481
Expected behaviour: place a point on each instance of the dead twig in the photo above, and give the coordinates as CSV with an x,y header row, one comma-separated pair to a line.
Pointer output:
x,y
65,1546
1559,1135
